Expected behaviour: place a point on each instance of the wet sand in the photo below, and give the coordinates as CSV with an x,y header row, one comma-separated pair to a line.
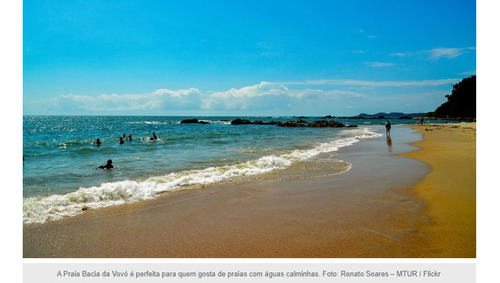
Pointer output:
x,y
376,209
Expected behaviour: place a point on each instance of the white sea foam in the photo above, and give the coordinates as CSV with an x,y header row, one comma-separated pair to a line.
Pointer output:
x,y
44,208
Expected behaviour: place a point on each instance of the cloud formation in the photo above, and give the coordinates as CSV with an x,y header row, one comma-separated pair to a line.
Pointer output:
x,y
448,53
109,103
363,83
339,96
248,97
436,53
273,96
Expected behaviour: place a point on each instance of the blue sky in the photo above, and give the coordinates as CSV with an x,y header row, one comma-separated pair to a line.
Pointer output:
x,y
244,57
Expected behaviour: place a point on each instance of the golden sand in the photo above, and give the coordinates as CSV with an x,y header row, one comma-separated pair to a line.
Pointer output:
x,y
449,190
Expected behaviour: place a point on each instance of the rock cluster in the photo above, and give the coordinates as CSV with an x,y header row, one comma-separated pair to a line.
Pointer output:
x,y
248,122
292,124
193,121
315,124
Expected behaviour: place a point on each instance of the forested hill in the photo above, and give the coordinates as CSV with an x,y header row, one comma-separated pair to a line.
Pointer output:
x,y
461,102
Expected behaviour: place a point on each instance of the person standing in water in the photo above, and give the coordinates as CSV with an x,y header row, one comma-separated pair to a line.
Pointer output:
x,y
388,128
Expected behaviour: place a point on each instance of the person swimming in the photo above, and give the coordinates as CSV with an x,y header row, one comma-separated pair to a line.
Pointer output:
x,y
98,142
108,165
129,137
154,137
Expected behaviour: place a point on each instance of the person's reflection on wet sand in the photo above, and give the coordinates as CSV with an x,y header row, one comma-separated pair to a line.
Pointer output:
x,y
389,143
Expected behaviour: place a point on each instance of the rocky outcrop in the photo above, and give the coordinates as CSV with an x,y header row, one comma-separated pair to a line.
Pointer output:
x,y
325,124
193,121
315,124
293,124
248,122
241,122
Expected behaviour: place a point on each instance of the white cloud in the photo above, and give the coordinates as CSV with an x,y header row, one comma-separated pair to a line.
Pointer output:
x,y
176,93
402,54
268,95
436,53
468,73
245,97
448,53
265,98
326,94
159,99
362,83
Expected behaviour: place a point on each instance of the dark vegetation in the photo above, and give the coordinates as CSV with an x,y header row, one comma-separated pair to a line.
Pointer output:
x,y
461,102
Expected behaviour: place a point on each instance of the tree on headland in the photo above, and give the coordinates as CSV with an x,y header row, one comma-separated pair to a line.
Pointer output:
x,y
461,102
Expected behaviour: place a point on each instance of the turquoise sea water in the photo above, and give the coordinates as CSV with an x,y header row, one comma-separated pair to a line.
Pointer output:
x,y
60,176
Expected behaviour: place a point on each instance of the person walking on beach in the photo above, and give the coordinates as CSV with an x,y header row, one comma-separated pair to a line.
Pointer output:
x,y
108,165
388,128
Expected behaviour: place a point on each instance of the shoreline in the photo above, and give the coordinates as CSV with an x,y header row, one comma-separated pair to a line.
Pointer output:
x,y
369,211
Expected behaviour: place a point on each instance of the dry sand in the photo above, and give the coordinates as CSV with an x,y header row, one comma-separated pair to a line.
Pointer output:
x,y
377,209
449,190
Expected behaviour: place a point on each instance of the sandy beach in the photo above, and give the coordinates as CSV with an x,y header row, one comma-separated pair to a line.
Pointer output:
x,y
396,201
449,190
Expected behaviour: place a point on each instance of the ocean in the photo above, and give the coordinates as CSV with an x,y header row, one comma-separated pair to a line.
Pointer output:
x,y
61,178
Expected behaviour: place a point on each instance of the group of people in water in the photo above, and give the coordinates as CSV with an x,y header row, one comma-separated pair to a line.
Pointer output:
x,y
121,139
109,164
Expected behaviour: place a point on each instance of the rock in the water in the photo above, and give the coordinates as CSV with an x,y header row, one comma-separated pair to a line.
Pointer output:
x,y
193,121
292,124
241,122
248,122
325,124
